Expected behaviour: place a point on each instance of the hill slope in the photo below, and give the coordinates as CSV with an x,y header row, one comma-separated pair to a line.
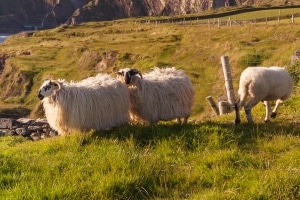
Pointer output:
x,y
19,15
195,47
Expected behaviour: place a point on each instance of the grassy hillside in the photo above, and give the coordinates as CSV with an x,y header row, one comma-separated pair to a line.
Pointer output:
x,y
207,159
193,47
202,161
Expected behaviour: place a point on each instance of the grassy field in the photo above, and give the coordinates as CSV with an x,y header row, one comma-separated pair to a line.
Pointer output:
x,y
209,158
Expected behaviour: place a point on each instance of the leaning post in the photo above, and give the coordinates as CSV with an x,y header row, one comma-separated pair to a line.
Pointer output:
x,y
213,105
228,81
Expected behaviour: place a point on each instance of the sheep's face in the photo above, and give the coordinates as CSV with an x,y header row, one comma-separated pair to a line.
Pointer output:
x,y
127,74
47,89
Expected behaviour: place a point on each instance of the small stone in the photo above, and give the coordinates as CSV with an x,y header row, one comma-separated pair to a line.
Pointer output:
x,y
35,128
35,136
25,121
23,132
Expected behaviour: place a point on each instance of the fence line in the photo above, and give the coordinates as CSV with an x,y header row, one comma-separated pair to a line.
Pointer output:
x,y
219,22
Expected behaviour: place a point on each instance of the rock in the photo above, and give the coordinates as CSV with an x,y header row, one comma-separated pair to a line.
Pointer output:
x,y
32,129
25,121
295,57
35,128
23,132
40,121
31,15
35,136
2,133
53,133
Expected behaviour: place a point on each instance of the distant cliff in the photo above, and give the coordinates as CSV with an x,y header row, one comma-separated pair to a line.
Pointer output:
x,y
19,15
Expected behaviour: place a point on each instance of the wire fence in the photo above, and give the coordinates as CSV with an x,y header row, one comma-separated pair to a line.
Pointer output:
x,y
231,20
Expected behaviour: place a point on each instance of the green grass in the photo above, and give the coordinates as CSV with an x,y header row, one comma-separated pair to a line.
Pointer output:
x,y
210,158
207,160
196,48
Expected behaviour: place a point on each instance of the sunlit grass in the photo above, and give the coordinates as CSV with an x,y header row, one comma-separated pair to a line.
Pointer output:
x,y
209,158
194,48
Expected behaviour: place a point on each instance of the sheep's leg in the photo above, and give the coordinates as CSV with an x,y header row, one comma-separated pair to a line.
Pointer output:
x,y
248,114
274,112
268,108
248,107
185,120
237,105
178,120
237,113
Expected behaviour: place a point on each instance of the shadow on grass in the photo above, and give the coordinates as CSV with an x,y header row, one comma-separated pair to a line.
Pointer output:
x,y
17,112
197,135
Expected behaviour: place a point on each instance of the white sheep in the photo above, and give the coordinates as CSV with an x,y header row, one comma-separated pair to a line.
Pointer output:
x,y
263,84
162,94
100,102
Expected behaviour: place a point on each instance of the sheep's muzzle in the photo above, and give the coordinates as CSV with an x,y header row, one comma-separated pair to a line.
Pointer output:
x,y
40,96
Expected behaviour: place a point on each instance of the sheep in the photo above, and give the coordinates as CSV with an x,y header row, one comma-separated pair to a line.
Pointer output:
x,y
162,94
100,102
263,84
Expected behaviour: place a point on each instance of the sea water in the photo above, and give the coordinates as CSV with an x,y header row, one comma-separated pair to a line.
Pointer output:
x,y
3,37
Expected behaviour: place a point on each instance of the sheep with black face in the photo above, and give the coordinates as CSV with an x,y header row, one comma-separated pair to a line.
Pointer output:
x,y
162,94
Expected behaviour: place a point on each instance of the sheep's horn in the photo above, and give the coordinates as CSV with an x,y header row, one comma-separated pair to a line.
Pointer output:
x,y
135,71
141,75
58,84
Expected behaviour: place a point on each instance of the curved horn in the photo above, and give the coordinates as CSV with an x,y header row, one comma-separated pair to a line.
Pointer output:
x,y
141,75
57,83
135,71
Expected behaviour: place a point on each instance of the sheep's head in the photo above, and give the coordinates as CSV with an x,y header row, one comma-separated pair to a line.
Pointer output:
x,y
48,87
127,74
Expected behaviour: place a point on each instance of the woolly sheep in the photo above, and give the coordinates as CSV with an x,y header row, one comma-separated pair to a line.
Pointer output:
x,y
162,94
100,102
263,84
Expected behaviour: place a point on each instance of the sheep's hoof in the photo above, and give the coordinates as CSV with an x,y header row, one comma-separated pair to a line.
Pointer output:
x,y
273,115
237,121
266,121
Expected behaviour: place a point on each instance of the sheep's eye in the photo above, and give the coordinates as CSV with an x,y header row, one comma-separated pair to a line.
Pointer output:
x,y
47,87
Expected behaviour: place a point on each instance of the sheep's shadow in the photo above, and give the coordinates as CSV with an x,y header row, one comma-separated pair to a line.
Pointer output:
x,y
195,135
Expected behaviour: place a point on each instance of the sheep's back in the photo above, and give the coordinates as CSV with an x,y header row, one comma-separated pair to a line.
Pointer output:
x,y
162,94
266,83
94,103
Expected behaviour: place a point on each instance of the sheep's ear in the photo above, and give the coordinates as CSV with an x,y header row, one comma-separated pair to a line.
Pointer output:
x,y
135,72
120,72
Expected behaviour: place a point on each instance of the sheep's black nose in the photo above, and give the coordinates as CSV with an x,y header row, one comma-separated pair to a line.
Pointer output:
x,y
127,78
40,96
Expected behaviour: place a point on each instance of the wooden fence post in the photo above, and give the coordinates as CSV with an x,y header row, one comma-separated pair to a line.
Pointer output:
x,y
228,81
213,105
229,22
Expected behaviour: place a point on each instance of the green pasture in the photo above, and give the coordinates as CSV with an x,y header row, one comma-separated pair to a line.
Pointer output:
x,y
209,158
